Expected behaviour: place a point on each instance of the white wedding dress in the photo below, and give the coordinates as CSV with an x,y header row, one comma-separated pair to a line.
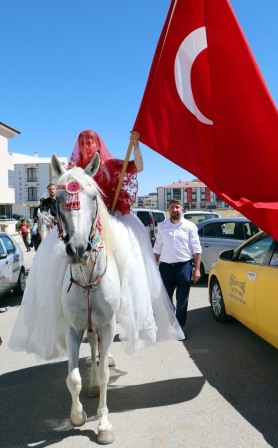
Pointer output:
x,y
146,314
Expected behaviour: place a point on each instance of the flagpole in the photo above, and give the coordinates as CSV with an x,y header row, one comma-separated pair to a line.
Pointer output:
x,y
119,186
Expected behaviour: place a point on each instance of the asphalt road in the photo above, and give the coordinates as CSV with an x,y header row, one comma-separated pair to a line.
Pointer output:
x,y
217,389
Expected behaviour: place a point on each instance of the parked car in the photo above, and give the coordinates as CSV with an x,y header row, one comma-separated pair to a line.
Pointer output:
x,y
221,234
150,218
12,269
198,216
244,284
6,218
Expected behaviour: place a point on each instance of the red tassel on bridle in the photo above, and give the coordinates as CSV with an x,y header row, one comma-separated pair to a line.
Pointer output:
x,y
72,202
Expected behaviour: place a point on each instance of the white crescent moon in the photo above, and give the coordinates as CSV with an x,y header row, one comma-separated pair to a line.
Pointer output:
x,y
188,51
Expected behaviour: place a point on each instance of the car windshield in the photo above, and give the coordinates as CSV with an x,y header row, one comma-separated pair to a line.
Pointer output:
x,y
256,251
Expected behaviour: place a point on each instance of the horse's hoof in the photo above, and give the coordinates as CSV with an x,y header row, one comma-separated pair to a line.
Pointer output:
x,y
111,362
105,436
93,391
77,421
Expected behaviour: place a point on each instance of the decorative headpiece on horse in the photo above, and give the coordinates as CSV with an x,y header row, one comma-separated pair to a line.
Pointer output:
x,y
72,188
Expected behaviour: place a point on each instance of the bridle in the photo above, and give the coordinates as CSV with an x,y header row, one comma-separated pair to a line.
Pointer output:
x,y
95,240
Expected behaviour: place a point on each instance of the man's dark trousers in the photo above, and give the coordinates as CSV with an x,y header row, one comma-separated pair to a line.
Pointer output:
x,y
178,276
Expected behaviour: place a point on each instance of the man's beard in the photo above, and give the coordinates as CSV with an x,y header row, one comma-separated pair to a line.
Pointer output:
x,y
175,217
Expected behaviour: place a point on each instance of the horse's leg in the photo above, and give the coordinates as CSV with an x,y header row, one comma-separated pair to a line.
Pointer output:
x,y
111,362
105,429
77,415
93,390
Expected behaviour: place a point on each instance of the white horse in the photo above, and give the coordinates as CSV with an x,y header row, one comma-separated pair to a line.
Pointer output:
x,y
45,223
91,287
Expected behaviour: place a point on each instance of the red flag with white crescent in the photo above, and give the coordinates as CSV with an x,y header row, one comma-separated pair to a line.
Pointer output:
x,y
206,107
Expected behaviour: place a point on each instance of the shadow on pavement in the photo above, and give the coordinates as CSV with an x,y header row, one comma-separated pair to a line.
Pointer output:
x,y
37,403
9,300
240,365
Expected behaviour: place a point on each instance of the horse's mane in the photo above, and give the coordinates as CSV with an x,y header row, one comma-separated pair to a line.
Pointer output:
x,y
90,186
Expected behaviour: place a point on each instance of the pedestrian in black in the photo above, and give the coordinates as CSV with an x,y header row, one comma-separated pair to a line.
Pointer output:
x,y
49,204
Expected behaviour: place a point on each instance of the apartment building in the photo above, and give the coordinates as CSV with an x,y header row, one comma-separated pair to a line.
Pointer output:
x,y
147,201
194,194
30,178
7,193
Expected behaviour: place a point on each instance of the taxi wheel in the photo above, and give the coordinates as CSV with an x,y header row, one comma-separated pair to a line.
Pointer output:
x,y
21,283
217,302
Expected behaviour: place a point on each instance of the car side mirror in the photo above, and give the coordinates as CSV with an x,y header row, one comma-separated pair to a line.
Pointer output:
x,y
3,256
227,255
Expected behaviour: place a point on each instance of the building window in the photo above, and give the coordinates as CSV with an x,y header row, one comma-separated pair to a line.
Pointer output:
x,y
177,194
32,194
168,193
194,194
31,175
203,204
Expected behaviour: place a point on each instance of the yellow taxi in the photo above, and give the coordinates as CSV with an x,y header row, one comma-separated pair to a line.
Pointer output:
x,y
243,284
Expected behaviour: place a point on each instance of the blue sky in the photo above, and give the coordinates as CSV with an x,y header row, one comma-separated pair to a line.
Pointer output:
x,y
68,66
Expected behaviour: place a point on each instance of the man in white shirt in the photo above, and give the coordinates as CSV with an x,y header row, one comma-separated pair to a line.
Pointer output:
x,y
177,246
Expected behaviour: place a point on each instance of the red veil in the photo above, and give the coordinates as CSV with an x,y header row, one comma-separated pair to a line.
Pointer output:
x,y
108,175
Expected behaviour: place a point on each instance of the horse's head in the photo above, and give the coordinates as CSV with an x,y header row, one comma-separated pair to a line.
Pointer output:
x,y
78,208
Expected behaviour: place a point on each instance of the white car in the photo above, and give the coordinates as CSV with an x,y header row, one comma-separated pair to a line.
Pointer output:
x,y
12,269
150,218
217,235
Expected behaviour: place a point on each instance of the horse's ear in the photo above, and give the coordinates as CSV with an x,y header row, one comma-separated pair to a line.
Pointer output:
x,y
57,166
92,167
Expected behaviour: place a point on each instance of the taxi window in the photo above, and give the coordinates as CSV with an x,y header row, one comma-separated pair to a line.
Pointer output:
x,y
256,251
10,248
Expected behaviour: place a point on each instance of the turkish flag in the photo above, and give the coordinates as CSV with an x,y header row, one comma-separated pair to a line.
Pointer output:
x,y
207,108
